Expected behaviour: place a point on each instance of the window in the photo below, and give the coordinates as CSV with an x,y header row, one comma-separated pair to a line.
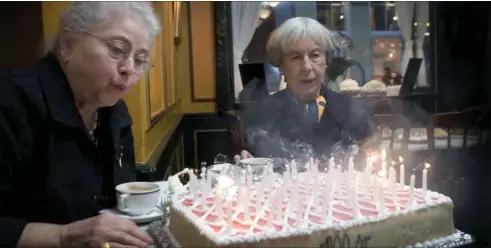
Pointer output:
x,y
332,15
383,16
387,41
386,52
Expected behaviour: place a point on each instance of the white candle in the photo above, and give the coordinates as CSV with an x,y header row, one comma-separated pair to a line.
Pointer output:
x,y
373,188
330,200
393,188
380,195
392,178
294,169
279,206
351,172
401,173
425,178
218,204
247,215
192,184
384,163
230,216
249,177
355,209
259,193
271,215
411,190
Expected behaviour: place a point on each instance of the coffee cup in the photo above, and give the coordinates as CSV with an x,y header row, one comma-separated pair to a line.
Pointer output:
x,y
137,198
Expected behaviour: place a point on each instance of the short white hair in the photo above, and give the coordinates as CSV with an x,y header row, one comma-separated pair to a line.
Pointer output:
x,y
295,29
83,16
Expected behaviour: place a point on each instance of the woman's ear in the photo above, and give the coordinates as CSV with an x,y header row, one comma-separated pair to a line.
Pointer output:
x,y
65,42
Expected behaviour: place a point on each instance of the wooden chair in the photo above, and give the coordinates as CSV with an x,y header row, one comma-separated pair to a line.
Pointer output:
x,y
449,121
394,122
236,130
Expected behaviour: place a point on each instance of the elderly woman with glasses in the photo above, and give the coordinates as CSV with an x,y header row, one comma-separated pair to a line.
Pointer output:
x,y
65,132
306,119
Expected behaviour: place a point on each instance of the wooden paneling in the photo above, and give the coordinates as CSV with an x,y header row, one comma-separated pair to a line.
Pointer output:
x,y
203,49
204,137
184,59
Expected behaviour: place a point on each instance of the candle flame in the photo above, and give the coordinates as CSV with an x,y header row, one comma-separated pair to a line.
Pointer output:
x,y
401,159
427,165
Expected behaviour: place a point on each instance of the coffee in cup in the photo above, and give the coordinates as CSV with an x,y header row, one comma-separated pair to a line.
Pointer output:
x,y
137,198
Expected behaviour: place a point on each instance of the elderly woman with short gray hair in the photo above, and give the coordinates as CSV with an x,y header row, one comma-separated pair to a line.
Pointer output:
x,y
66,138
305,119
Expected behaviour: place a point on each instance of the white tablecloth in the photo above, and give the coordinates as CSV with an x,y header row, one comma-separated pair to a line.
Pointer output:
x,y
455,142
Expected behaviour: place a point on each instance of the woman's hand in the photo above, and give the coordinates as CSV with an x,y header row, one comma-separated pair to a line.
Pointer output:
x,y
243,155
93,232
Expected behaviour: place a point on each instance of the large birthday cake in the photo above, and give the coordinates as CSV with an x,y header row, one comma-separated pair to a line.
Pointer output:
x,y
312,209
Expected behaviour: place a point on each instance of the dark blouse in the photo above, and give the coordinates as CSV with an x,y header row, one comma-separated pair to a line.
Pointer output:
x,y
50,169
280,128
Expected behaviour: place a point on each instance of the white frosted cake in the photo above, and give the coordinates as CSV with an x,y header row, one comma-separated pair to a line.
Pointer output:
x,y
311,209
349,85
374,86
393,90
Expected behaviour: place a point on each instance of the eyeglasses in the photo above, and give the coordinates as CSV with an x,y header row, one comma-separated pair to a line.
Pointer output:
x,y
121,51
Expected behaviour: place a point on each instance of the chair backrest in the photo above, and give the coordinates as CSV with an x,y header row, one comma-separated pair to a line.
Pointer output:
x,y
394,122
450,121
236,130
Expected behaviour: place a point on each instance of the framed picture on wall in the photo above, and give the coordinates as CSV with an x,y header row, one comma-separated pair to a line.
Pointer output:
x,y
155,92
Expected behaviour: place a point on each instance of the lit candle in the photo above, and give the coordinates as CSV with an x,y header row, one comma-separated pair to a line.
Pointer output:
x,y
411,190
401,173
425,178
384,164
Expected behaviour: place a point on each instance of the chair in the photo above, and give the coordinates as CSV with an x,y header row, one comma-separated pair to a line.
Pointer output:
x,y
236,130
394,122
450,121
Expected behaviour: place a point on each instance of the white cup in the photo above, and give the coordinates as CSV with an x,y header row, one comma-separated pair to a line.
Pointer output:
x,y
137,198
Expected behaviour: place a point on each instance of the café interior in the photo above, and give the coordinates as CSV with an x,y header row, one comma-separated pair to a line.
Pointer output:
x,y
423,66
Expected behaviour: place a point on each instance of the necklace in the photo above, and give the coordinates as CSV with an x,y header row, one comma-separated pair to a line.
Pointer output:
x,y
94,126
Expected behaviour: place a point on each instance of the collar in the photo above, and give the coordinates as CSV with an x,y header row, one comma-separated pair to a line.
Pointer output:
x,y
60,98
319,98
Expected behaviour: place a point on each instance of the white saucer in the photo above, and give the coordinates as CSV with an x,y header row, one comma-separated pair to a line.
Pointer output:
x,y
140,219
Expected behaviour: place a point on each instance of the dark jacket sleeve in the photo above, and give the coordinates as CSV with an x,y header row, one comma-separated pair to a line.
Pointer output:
x,y
10,228
361,124
258,122
128,159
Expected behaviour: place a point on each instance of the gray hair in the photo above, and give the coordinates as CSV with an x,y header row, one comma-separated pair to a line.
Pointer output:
x,y
295,29
83,16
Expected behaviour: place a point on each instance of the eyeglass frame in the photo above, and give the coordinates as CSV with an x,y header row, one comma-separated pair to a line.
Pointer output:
x,y
125,55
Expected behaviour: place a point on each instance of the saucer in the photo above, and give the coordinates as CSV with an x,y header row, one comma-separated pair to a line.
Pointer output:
x,y
139,219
